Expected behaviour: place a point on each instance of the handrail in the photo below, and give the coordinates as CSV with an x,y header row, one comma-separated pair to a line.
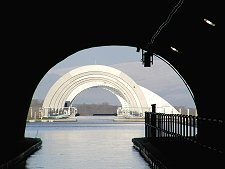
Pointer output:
x,y
180,127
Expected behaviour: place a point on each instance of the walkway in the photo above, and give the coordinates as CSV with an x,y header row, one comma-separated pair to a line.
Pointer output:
x,y
177,155
18,152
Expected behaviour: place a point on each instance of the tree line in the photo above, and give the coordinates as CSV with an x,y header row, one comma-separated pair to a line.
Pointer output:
x,y
103,108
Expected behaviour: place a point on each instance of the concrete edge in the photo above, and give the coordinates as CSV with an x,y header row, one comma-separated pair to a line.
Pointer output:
x,y
149,158
24,155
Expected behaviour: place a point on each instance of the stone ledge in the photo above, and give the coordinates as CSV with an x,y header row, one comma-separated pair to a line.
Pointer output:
x,y
19,151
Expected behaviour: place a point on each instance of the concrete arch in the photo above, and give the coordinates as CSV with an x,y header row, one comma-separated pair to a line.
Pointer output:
x,y
131,95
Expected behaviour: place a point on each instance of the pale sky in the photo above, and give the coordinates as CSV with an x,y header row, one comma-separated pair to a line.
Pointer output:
x,y
160,78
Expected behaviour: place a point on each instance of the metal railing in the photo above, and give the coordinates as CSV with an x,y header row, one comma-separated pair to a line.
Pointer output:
x,y
180,129
177,126
170,125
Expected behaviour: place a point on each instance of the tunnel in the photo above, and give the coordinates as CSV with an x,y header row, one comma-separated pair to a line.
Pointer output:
x,y
35,43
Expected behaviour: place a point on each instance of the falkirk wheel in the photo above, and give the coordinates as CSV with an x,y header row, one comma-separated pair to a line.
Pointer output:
x,y
134,98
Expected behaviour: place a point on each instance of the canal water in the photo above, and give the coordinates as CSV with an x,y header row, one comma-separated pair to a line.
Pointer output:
x,y
93,142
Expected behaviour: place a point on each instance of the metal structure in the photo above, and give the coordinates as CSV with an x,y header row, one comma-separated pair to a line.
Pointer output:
x,y
133,98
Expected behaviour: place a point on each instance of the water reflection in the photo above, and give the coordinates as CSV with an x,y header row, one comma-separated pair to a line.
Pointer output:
x,y
95,142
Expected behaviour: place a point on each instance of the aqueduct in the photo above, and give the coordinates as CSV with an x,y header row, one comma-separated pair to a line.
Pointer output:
x,y
133,98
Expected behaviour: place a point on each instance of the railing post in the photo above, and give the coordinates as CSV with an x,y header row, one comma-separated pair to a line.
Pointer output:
x,y
153,120
146,124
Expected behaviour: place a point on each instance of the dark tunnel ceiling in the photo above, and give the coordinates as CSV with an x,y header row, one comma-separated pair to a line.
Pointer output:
x,y
62,33
120,24
51,34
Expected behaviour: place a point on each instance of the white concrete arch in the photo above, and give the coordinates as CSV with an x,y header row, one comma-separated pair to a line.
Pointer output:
x,y
130,94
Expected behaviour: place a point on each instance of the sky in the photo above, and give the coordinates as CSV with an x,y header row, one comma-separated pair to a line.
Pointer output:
x,y
160,78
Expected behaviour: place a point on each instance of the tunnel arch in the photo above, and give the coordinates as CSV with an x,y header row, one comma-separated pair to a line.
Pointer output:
x,y
130,94
41,47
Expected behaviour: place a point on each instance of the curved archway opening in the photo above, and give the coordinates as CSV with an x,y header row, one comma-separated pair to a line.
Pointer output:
x,y
96,101
70,79
160,78
86,97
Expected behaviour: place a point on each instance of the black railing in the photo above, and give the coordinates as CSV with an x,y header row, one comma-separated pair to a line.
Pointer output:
x,y
180,129
170,125
177,126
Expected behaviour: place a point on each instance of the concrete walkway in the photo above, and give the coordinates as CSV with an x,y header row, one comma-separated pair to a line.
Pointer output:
x,y
170,153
